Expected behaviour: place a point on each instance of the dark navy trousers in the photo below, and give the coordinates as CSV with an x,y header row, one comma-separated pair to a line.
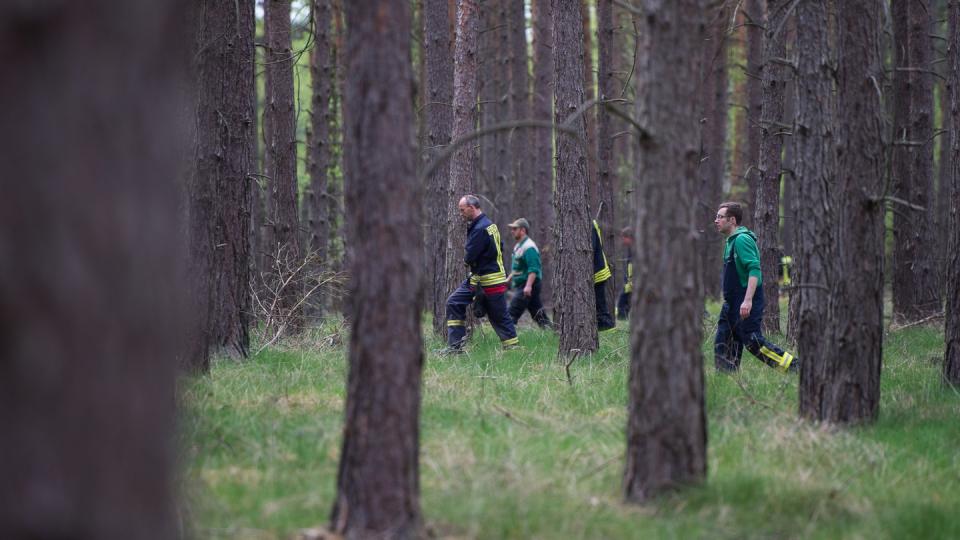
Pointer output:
x,y
495,306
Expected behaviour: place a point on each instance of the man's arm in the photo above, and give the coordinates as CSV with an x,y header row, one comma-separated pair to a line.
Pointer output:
x,y
528,288
747,304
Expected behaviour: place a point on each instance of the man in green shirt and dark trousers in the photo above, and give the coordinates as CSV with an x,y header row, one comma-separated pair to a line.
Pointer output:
x,y
742,311
525,276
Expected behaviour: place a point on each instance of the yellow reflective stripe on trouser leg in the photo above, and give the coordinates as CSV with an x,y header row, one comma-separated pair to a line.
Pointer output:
x,y
511,341
782,361
455,322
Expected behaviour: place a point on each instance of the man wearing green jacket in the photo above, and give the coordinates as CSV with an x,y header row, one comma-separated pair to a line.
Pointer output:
x,y
525,276
742,311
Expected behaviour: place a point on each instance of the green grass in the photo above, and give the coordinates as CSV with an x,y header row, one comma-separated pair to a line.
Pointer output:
x,y
510,450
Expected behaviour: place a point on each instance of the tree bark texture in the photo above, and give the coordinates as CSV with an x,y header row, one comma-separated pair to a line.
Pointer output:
x,y
842,385
439,109
915,291
589,92
713,134
944,172
753,18
766,211
666,426
543,140
575,313
281,145
378,477
90,290
520,148
221,183
322,73
951,364
606,175
494,87
463,164
816,191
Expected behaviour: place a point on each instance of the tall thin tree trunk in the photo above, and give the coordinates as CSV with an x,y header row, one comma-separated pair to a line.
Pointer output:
x,y
606,177
713,96
575,313
766,211
220,186
589,92
753,19
915,293
318,140
282,148
543,140
816,177
439,109
951,364
378,488
463,164
520,148
842,384
90,265
667,425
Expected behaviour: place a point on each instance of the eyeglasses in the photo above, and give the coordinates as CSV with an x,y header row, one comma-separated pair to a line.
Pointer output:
x,y
722,216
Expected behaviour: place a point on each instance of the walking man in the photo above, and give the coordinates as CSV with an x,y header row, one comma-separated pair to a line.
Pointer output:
x,y
742,310
525,276
484,256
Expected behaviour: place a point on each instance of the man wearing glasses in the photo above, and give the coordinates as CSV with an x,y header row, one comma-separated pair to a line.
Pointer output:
x,y
742,311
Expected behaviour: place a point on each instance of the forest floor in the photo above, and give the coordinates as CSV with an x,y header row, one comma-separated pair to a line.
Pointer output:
x,y
510,449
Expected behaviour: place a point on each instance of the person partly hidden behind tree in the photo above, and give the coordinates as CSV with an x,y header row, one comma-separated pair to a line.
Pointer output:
x,y
742,311
525,276
487,281
601,275
623,302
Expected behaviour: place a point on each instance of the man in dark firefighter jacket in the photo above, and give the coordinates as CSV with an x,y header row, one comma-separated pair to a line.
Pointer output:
x,y
601,275
742,310
484,256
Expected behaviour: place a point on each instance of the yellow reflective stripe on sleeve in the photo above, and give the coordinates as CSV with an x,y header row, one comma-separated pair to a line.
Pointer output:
x,y
602,275
628,288
493,231
511,341
456,323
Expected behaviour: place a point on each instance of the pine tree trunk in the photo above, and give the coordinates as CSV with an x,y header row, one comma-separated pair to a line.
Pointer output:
x,y
713,96
606,177
437,45
753,18
766,212
575,312
92,244
589,92
951,364
282,149
816,184
318,142
520,147
220,186
463,163
842,385
666,426
915,293
378,477
543,140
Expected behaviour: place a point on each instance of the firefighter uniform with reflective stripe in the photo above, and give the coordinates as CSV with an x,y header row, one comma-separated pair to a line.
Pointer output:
x,y
741,261
601,275
484,255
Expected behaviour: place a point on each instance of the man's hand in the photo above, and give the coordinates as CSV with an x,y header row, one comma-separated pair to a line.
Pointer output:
x,y
745,308
528,290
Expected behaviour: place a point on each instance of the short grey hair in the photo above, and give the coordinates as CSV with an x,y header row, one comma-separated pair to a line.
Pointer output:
x,y
472,200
